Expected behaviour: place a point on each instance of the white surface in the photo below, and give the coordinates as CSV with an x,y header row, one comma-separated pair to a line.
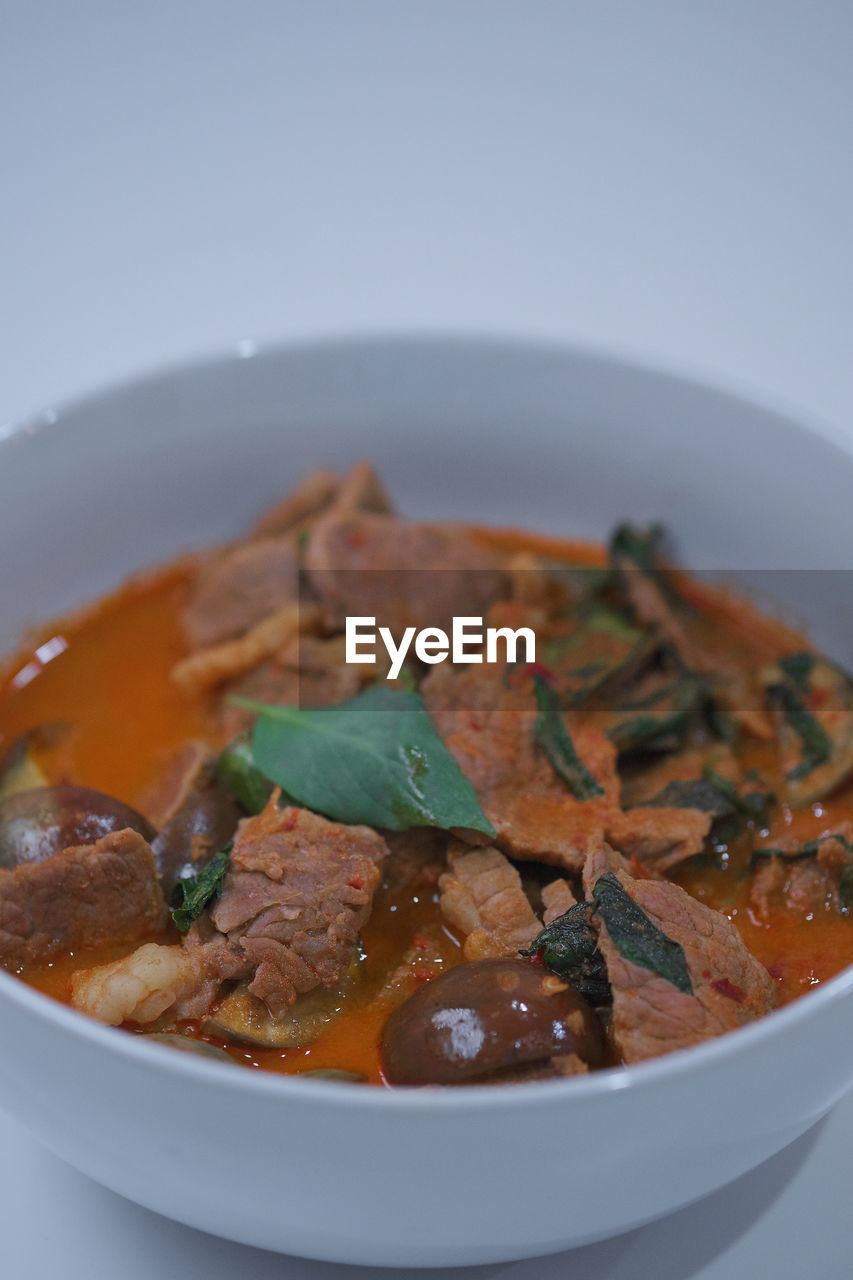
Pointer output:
x,y
662,178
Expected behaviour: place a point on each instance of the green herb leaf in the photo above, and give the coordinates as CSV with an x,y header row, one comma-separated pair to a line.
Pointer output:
x,y
845,887
816,743
633,550
377,759
798,667
636,937
715,794
789,855
569,947
661,721
198,891
558,746
813,701
809,850
237,771
695,793
627,542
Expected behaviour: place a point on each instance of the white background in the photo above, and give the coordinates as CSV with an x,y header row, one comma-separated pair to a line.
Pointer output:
x,y
670,180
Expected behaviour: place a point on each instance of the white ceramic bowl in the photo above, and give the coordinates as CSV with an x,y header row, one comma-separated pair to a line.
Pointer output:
x,y
554,439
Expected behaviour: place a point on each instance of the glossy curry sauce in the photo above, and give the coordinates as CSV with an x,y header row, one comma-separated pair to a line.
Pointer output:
x,y
105,674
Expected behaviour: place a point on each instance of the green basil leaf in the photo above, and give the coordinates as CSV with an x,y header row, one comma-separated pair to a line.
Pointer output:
x,y
198,891
376,759
845,887
634,550
789,855
695,793
816,743
712,793
569,948
660,722
558,746
798,668
636,937
808,850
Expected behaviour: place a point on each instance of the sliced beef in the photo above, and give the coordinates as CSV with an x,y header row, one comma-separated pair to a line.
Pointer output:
x,y
298,891
308,672
229,661
659,838
651,1016
488,725
557,899
195,815
362,490
89,895
482,897
401,573
237,588
312,496
249,591
415,857
359,490
805,886
487,717
808,886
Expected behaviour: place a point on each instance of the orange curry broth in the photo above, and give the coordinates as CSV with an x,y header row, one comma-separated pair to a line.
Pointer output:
x,y
111,684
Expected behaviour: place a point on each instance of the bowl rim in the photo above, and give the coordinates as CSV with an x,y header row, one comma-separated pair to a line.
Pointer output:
x,y
788,414
518,1096
637,1077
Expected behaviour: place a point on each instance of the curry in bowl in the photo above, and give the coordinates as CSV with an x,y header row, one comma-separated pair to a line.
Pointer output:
x,y
222,827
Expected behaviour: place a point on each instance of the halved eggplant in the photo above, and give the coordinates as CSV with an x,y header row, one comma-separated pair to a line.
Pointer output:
x,y
246,1019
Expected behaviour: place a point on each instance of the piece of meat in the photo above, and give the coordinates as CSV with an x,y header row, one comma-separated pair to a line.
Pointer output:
x,y
314,494
832,852
403,574
239,587
804,885
569,1065
415,857
557,899
309,672
808,886
174,780
488,725
89,895
651,1016
362,490
195,815
482,897
659,838
529,583
298,891
206,668
243,607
